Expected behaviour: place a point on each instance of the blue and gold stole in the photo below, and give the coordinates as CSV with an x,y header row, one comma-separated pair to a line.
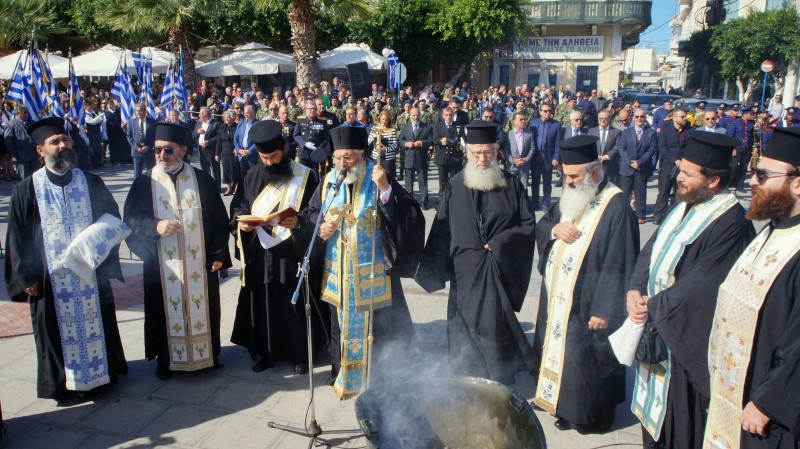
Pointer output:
x,y
346,279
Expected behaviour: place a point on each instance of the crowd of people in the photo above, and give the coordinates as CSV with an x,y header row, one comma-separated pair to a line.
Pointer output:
x,y
716,357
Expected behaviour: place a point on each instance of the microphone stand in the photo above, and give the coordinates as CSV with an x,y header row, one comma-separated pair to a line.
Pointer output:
x,y
312,429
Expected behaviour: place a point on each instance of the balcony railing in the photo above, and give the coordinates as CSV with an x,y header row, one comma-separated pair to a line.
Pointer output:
x,y
579,12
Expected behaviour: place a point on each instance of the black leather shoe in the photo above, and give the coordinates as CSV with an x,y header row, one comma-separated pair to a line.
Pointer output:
x,y
300,368
562,424
163,373
218,364
262,365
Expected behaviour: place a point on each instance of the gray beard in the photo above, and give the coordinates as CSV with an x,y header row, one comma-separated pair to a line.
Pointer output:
x,y
484,180
172,167
62,162
575,199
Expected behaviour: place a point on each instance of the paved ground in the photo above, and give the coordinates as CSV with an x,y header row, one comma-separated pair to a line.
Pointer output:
x,y
227,408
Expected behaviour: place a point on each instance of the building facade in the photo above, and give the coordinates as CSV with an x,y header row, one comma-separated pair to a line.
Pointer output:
x,y
580,44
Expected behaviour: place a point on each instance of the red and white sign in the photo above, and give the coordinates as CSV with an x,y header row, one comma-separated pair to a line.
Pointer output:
x,y
767,66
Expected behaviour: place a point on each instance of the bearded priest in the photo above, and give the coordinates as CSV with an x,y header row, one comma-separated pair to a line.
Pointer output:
x,y
588,244
482,242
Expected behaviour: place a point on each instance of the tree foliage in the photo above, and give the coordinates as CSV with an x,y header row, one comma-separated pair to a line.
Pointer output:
x,y
740,45
21,20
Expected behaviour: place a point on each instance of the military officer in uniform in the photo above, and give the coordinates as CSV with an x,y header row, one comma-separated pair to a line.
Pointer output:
x,y
287,131
336,109
741,129
403,118
449,154
294,109
393,110
329,117
311,136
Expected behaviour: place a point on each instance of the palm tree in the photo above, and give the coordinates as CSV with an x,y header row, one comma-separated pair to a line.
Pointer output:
x,y
302,16
21,20
166,17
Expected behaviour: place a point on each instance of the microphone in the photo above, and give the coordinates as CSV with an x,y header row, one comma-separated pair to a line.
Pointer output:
x,y
339,180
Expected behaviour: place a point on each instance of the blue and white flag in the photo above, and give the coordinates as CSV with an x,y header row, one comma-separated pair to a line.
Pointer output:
x,y
180,87
144,72
168,94
76,112
122,91
53,100
23,90
393,61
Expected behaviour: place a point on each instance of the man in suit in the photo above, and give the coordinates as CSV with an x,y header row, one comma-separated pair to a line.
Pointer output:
x,y
607,146
709,123
575,128
245,148
636,148
416,137
141,137
520,148
460,118
672,142
449,154
741,129
117,142
205,134
546,132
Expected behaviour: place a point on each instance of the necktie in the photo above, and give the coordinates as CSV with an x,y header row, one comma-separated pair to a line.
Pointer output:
x,y
602,140
141,132
638,134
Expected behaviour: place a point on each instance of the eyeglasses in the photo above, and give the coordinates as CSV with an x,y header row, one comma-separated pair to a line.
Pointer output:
x,y
638,116
347,159
602,118
762,174
166,150
709,119
482,154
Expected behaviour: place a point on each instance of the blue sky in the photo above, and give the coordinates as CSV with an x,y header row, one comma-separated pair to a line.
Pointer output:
x,y
658,38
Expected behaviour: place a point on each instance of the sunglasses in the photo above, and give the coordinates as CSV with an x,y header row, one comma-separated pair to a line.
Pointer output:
x,y
638,116
762,174
545,110
166,150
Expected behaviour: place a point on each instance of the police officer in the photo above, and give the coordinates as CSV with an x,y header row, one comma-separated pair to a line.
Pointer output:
x,y
741,129
732,115
311,135
791,119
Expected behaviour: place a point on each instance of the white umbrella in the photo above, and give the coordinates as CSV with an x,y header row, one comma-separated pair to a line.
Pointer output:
x,y
9,63
104,62
339,57
249,59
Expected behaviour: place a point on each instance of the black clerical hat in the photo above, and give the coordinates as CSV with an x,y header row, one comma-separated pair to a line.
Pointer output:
x,y
579,150
710,150
45,128
480,131
784,145
171,132
348,137
267,136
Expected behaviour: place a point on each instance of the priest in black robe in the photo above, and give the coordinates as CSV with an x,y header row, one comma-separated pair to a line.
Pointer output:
x,y
770,416
144,242
267,323
26,271
592,381
682,311
402,233
483,242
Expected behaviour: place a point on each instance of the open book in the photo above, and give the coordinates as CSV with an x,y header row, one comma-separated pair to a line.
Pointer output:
x,y
271,219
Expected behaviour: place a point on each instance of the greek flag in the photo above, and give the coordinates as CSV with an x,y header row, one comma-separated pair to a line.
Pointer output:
x,y
23,89
53,100
180,87
168,94
144,72
393,60
76,112
122,91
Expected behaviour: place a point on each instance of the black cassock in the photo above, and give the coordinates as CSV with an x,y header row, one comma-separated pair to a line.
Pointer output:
x,y
773,377
403,235
593,381
143,242
484,336
683,315
26,263
266,323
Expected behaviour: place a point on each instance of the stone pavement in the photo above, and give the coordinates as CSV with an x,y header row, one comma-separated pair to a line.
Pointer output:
x,y
227,408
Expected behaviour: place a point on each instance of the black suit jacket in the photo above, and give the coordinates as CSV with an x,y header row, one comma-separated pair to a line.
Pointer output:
x,y
212,133
416,157
610,149
449,152
149,136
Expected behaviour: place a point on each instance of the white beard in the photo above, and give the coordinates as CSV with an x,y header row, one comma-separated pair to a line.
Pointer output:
x,y
484,180
575,199
354,173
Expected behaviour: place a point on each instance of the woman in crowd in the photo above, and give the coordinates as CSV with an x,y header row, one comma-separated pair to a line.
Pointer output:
x,y
231,175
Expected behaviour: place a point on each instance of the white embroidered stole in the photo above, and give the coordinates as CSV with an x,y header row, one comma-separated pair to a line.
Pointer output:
x,y
561,274
274,194
739,303
675,234
65,213
183,271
